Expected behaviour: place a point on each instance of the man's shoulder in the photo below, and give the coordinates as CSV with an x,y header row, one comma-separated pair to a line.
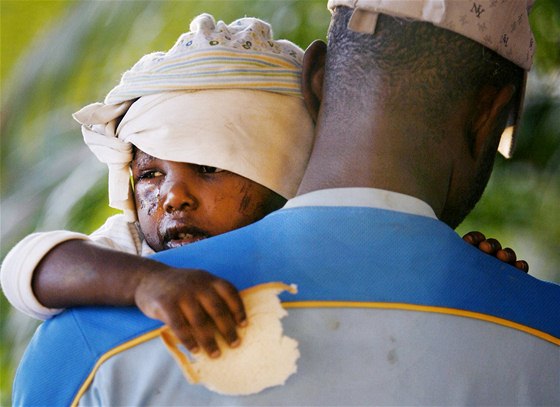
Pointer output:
x,y
375,255
359,254
70,345
95,329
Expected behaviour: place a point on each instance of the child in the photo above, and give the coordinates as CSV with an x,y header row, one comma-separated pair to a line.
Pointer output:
x,y
223,97
217,137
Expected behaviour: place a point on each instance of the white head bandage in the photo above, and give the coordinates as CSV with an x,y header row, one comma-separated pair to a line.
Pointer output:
x,y
502,26
227,96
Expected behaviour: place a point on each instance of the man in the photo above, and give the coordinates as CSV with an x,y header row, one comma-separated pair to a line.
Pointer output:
x,y
392,308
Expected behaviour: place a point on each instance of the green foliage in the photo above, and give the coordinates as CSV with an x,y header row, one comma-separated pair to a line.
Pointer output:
x,y
545,20
58,56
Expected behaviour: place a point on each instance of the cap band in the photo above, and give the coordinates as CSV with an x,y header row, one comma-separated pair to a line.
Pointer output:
x,y
502,26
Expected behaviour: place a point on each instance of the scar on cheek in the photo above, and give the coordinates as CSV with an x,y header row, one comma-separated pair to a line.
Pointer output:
x,y
148,197
245,201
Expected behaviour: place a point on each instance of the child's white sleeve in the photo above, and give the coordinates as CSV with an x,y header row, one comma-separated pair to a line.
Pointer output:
x,y
20,263
118,234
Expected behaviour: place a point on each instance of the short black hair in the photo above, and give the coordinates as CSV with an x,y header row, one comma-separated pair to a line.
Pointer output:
x,y
425,65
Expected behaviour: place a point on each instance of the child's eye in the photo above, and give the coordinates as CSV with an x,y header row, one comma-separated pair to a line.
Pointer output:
x,y
150,174
205,169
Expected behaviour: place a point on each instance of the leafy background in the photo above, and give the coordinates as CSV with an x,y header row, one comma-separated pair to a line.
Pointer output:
x,y
57,56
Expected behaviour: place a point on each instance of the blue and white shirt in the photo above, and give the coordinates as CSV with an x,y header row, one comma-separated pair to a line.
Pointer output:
x,y
392,308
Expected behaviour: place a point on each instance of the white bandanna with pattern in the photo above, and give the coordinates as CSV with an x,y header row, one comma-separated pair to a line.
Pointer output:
x,y
226,96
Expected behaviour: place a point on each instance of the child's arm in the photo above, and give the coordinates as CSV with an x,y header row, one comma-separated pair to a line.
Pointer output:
x,y
193,303
494,248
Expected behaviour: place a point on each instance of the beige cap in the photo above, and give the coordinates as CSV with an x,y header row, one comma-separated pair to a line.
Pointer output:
x,y
502,26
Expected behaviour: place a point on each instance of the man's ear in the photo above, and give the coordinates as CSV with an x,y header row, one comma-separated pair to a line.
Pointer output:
x,y
312,76
491,116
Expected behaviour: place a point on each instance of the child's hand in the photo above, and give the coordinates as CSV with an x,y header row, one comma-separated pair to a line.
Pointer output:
x,y
494,248
193,303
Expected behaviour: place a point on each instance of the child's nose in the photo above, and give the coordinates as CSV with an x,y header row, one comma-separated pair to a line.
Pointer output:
x,y
178,197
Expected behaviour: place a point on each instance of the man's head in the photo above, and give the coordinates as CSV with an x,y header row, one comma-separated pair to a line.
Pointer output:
x,y
426,104
225,96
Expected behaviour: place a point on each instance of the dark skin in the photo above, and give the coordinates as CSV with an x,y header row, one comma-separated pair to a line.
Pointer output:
x,y
178,203
494,248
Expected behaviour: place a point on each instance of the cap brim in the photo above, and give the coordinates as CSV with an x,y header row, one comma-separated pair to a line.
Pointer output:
x,y
509,136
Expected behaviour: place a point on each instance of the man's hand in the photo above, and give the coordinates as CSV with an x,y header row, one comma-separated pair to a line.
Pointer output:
x,y
494,248
194,304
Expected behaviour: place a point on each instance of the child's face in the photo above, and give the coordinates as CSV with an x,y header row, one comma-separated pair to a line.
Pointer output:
x,y
180,203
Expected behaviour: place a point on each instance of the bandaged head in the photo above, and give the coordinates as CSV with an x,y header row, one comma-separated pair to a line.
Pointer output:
x,y
226,96
502,26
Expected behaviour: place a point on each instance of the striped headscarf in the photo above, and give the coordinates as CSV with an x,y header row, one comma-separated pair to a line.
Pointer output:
x,y
226,96
241,55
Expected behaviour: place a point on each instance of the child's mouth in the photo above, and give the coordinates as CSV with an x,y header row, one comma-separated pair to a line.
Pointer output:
x,y
183,239
176,237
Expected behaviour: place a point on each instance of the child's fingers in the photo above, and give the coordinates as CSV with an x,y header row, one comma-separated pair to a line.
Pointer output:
x,y
522,265
233,300
220,314
490,246
183,331
506,255
493,247
203,328
474,238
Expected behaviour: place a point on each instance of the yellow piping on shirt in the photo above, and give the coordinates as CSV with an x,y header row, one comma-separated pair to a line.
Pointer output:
x,y
330,304
424,308
127,345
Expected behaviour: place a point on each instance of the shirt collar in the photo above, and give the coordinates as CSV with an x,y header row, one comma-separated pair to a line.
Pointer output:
x,y
365,197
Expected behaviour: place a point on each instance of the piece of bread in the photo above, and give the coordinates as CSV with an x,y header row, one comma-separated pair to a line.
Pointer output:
x,y
265,357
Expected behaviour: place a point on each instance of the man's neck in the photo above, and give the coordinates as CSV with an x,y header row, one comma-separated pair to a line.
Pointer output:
x,y
373,156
